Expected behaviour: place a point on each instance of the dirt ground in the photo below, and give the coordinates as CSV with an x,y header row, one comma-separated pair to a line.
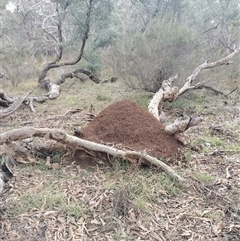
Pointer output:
x,y
126,202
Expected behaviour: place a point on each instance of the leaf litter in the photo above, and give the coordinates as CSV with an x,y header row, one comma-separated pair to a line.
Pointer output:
x,y
126,202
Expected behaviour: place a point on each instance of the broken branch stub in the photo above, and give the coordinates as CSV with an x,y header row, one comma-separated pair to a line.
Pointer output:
x,y
182,125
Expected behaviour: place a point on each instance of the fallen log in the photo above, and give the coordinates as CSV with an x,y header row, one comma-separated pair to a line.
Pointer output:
x,y
62,137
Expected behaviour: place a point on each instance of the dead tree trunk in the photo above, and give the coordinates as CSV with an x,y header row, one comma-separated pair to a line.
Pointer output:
x,y
168,92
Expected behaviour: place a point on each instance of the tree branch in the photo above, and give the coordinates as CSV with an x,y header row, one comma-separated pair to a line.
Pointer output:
x,y
167,92
61,136
75,73
223,61
203,85
14,106
56,64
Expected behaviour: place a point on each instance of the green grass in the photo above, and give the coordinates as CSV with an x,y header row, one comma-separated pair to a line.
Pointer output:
x,y
73,209
171,186
214,141
143,99
203,177
57,155
40,165
141,202
233,147
142,190
195,101
68,101
188,155
207,142
23,88
109,185
214,215
49,198
103,98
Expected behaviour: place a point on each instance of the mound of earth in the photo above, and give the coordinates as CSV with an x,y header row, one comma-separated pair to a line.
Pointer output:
x,y
127,124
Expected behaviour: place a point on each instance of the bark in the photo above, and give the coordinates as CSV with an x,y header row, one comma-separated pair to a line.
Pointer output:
x,y
62,137
182,125
168,92
16,103
75,74
57,62
1,183
217,92
89,74
5,97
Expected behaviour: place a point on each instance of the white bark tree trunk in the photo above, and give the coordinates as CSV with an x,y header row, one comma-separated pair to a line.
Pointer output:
x,y
167,92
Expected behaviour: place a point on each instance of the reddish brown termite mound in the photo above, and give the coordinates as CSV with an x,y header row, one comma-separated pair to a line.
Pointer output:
x,y
127,125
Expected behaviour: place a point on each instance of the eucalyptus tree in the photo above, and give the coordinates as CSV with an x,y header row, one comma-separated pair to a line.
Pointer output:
x,y
23,37
218,22
148,10
53,30
159,38
75,24
226,20
153,43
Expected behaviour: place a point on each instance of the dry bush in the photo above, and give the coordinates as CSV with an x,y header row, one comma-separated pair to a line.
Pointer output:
x,y
145,60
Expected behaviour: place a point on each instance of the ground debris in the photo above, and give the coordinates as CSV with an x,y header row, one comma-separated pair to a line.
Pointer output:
x,y
125,202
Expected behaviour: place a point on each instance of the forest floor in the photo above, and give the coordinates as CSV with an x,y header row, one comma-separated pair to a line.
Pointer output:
x,y
54,199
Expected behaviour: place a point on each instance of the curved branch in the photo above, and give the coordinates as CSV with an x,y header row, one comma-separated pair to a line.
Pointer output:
x,y
4,96
223,61
61,136
14,106
75,73
167,92
55,63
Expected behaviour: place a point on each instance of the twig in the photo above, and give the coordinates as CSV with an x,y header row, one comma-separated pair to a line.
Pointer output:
x,y
232,91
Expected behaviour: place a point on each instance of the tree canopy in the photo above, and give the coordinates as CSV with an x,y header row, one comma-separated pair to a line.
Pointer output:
x,y
142,41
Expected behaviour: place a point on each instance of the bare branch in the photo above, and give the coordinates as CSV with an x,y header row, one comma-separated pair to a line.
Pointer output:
x,y
210,29
167,92
203,85
223,61
55,63
182,125
75,73
4,96
61,136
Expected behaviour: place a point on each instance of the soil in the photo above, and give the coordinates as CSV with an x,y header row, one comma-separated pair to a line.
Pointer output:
x,y
129,125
